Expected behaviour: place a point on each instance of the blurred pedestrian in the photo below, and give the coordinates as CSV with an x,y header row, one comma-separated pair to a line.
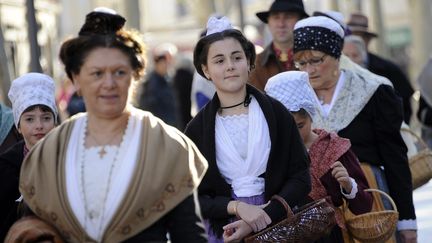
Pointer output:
x,y
203,90
35,114
182,84
75,104
278,55
355,49
335,169
360,108
424,113
358,25
250,140
9,135
114,173
157,94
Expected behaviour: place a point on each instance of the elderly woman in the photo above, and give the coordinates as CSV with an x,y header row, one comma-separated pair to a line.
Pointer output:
x,y
34,114
115,173
360,108
355,48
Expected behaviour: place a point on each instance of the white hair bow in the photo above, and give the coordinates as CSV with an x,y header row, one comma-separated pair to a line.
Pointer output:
x,y
215,25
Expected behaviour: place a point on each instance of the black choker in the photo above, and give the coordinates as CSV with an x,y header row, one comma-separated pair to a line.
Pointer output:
x,y
245,102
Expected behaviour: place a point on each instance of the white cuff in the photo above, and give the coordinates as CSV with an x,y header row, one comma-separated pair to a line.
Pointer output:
x,y
354,190
407,224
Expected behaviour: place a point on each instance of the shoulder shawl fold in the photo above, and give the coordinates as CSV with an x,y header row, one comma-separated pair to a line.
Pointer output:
x,y
355,93
170,168
324,152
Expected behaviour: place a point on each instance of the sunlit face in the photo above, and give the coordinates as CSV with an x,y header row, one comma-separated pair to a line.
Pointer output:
x,y
104,81
304,125
227,66
351,51
281,26
322,75
34,125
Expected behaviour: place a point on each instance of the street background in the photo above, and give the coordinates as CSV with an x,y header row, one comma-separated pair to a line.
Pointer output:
x,y
423,206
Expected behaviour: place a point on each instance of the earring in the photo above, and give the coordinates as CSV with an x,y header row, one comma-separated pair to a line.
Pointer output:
x,y
335,73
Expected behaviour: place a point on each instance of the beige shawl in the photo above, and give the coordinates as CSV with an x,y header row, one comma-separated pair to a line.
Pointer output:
x,y
170,168
360,84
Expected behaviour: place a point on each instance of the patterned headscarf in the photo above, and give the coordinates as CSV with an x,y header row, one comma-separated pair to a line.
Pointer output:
x,y
319,33
32,89
293,90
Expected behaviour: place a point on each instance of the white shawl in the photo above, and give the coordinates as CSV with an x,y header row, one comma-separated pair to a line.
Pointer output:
x,y
243,174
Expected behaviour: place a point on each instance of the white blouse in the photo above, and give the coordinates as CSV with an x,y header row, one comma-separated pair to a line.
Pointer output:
x,y
237,127
105,178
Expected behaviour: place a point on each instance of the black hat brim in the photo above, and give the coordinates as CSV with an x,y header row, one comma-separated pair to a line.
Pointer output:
x,y
263,16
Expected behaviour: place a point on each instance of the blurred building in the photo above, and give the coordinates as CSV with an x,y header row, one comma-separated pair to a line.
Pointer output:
x,y
401,24
16,46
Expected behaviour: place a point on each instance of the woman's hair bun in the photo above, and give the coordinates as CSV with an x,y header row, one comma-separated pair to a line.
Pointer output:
x,y
102,21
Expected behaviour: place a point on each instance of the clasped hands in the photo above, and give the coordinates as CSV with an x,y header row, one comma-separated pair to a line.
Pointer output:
x,y
252,219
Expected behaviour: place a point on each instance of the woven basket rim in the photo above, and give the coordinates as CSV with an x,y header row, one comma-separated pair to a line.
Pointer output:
x,y
355,217
358,230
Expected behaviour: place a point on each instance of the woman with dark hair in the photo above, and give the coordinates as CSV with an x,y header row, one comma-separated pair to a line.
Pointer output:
x,y
114,173
250,140
358,106
35,114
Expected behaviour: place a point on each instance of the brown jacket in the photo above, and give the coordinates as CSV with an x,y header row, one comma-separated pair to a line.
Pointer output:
x,y
266,66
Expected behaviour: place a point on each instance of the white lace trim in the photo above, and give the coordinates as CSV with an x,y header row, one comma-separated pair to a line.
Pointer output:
x,y
353,192
407,224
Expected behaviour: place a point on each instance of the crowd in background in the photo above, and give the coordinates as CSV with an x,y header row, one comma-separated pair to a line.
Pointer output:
x,y
194,150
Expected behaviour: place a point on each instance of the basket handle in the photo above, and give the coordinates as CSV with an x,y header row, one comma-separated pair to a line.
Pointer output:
x,y
285,204
416,136
385,194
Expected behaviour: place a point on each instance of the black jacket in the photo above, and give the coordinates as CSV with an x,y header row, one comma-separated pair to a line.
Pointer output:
x,y
10,166
157,96
401,84
287,172
182,224
375,139
424,113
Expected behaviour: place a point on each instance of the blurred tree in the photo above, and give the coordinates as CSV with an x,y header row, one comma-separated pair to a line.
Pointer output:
x,y
32,27
4,70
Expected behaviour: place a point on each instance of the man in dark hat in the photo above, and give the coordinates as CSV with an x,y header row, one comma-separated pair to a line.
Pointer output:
x,y
277,56
358,25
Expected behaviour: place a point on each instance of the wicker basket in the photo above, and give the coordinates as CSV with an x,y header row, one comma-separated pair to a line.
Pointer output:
x,y
374,226
420,161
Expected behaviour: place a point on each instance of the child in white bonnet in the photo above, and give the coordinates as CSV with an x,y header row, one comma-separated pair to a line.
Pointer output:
x,y
335,170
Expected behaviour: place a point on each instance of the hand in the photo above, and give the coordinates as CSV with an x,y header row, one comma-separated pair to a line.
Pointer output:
x,y
340,173
253,215
236,231
408,236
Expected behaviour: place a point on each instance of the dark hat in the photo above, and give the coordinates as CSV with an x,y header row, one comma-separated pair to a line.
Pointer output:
x,y
358,22
283,6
